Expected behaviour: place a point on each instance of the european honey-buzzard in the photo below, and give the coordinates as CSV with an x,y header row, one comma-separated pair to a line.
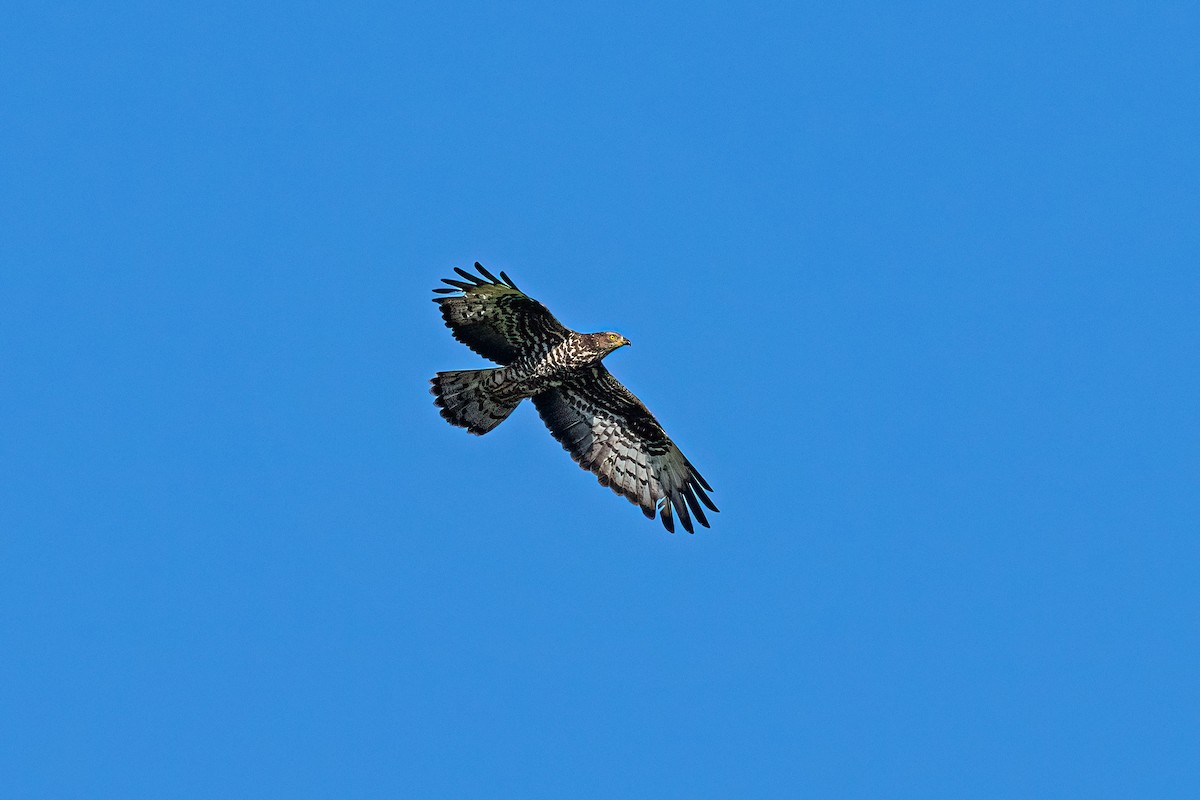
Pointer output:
x,y
597,420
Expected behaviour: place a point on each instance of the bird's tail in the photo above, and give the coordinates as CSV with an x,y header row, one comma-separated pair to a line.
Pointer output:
x,y
466,398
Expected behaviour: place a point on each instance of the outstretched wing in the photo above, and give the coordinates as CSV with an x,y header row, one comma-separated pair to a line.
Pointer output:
x,y
610,432
495,318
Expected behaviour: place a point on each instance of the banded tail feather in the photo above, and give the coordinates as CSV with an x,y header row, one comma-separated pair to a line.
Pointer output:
x,y
466,400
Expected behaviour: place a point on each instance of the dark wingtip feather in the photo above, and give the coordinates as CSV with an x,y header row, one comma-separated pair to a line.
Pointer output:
x,y
475,279
697,511
667,520
704,498
508,280
698,477
485,273
443,290
681,507
458,284
649,512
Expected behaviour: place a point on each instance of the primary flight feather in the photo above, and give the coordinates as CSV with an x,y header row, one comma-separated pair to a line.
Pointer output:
x,y
596,419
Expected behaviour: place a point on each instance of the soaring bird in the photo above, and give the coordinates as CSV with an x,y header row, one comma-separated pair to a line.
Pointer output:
x,y
596,419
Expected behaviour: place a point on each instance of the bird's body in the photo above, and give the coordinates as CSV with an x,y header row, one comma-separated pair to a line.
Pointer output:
x,y
543,369
597,420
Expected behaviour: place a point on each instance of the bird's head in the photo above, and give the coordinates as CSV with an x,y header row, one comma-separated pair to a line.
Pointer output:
x,y
608,341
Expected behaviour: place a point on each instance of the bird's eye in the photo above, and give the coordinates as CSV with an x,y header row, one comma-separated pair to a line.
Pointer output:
x,y
612,337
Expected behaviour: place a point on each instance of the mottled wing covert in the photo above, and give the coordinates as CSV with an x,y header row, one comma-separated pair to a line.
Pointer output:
x,y
607,430
495,318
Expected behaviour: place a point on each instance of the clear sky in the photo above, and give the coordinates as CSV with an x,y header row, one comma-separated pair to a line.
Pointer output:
x,y
914,286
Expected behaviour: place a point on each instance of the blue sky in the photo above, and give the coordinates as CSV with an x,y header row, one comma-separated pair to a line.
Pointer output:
x,y
916,289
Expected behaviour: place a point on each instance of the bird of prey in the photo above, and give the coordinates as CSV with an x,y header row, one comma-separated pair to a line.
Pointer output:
x,y
597,420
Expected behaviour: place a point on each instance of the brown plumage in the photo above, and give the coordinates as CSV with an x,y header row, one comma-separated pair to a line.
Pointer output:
x,y
604,427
